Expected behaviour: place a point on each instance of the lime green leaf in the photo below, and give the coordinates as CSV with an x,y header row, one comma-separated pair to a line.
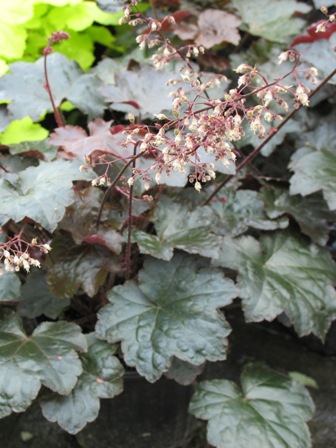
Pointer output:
x,y
282,273
41,193
310,212
303,379
12,41
12,36
46,357
178,227
36,298
101,35
59,2
23,130
240,210
79,48
75,267
101,378
315,171
10,286
171,311
270,410
272,20
3,67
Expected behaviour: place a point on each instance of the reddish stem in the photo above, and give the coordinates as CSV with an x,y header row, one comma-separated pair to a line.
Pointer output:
x,y
254,153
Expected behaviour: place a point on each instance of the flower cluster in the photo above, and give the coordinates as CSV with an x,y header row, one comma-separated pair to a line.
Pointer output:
x,y
15,254
206,120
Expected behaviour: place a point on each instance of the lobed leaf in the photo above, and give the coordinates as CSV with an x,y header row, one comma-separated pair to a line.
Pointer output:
x,y
282,273
171,312
310,212
315,171
269,410
40,192
272,20
239,210
102,377
74,267
10,286
36,299
48,357
178,227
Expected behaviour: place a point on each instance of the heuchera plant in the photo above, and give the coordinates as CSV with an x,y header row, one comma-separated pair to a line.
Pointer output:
x,y
132,236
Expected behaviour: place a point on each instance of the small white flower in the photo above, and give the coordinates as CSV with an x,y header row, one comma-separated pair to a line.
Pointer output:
x,y
198,186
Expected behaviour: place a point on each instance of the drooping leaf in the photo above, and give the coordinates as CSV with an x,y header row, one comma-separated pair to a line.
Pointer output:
x,y
315,171
310,212
272,20
183,372
81,221
237,211
74,267
269,410
10,286
40,193
41,149
48,357
282,273
182,228
171,311
36,298
145,87
102,377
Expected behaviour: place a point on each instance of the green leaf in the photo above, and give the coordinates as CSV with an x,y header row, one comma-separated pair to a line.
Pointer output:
x,y
240,210
171,311
178,226
46,357
23,86
270,410
42,147
102,377
282,273
314,171
320,54
272,20
12,36
41,193
183,372
310,212
10,286
79,48
147,87
81,217
23,130
73,267
36,298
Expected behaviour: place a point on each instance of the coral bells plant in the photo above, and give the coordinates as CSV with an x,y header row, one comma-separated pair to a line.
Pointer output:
x,y
189,174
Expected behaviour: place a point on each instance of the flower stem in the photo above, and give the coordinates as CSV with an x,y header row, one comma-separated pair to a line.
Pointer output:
x,y
257,150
